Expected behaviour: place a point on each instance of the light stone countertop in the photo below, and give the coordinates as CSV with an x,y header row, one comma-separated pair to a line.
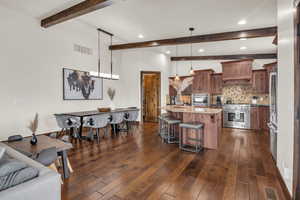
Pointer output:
x,y
191,109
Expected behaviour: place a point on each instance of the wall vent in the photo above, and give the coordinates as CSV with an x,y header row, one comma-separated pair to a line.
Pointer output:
x,y
83,50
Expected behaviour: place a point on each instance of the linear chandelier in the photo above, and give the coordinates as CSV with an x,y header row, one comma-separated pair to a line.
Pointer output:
x,y
109,76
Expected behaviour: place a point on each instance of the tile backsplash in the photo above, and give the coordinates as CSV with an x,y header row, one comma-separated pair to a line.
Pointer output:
x,y
241,94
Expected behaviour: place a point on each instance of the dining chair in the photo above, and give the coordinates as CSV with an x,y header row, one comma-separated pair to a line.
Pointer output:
x,y
95,123
48,157
130,118
116,118
66,123
65,139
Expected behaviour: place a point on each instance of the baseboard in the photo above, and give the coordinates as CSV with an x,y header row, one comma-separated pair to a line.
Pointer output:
x,y
286,192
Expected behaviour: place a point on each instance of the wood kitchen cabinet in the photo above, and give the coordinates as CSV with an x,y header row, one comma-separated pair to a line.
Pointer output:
x,y
259,118
172,91
264,116
216,83
260,81
202,81
237,72
254,118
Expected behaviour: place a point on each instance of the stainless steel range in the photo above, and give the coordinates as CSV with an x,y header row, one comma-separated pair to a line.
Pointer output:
x,y
236,116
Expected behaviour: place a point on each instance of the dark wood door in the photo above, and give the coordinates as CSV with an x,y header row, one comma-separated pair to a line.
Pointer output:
x,y
150,96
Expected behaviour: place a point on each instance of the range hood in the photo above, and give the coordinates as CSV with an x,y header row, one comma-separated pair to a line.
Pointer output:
x,y
237,72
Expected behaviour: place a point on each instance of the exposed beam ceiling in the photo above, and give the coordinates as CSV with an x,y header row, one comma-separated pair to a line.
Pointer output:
x,y
82,8
226,57
234,35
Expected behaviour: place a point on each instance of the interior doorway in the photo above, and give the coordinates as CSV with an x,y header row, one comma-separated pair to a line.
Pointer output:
x,y
150,95
296,175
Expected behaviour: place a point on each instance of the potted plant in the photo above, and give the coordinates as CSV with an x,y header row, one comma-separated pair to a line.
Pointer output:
x,y
33,128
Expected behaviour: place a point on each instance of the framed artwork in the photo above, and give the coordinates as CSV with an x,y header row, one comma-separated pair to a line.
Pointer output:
x,y
79,85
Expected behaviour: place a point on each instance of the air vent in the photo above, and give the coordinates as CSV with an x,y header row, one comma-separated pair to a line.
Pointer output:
x,y
83,50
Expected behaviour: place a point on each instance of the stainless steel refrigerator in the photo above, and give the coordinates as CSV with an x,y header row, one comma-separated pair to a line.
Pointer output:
x,y
273,114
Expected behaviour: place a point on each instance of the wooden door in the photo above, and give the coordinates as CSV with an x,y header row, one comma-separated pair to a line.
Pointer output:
x,y
150,96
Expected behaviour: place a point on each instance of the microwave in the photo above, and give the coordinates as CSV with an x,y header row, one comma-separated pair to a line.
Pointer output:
x,y
201,99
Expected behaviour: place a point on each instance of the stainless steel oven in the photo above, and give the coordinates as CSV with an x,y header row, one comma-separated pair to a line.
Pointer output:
x,y
236,116
201,99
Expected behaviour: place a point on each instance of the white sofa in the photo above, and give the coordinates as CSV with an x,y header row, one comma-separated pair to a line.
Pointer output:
x,y
46,186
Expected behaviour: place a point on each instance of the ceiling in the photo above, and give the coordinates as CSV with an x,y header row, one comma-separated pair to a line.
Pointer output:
x,y
161,19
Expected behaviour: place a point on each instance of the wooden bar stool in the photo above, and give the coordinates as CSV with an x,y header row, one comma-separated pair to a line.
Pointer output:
x,y
170,134
191,144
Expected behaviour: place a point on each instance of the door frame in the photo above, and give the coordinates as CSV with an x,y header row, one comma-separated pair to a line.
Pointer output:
x,y
296,159
142,92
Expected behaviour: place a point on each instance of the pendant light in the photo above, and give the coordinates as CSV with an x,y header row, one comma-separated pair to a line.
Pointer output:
x,y
177,78
110,76
192,72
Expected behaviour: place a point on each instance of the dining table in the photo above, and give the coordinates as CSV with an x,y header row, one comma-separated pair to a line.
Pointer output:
x,y
83,114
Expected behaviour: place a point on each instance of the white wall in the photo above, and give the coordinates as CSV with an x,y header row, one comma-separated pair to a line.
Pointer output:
x,y
32,58
285,89
183,67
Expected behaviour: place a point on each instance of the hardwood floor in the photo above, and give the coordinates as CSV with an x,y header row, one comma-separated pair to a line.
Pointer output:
x,y
139,166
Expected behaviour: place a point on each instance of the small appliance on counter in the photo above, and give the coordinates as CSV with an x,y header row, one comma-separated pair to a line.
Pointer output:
x,y
254,100
219,100
171,100
200,99
229,101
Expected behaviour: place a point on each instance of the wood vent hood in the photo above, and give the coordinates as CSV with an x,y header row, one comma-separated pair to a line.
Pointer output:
x,y
237,72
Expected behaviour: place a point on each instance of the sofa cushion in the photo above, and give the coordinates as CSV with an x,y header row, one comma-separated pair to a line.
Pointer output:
x,y
18,177
9,165
2,151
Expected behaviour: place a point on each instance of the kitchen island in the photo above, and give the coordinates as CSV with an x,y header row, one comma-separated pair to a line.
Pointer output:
x,y
210,117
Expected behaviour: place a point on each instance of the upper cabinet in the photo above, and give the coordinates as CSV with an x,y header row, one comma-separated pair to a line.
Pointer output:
x,y
260,81
237,72
202,81
216,83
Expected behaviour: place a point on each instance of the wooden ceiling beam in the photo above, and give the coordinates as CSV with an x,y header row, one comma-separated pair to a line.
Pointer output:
x,y
234,35
77,10
226,57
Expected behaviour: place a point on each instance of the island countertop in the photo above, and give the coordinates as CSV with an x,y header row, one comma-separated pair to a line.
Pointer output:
x,y
191,109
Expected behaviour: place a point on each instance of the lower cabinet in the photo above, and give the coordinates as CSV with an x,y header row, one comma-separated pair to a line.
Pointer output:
x,y
259,117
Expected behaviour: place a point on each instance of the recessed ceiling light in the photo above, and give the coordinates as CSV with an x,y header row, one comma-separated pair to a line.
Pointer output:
x,y
168,52
242,22
201,50
243,38
243,48
140,36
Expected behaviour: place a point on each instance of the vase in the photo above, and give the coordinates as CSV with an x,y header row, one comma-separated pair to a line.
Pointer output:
x,y
33,140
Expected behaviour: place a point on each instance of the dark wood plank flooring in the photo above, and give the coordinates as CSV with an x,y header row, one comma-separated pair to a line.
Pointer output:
x,y
139,166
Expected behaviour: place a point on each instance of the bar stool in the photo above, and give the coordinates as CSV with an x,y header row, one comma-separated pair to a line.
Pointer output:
x,y
161,122
169,133
191,144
